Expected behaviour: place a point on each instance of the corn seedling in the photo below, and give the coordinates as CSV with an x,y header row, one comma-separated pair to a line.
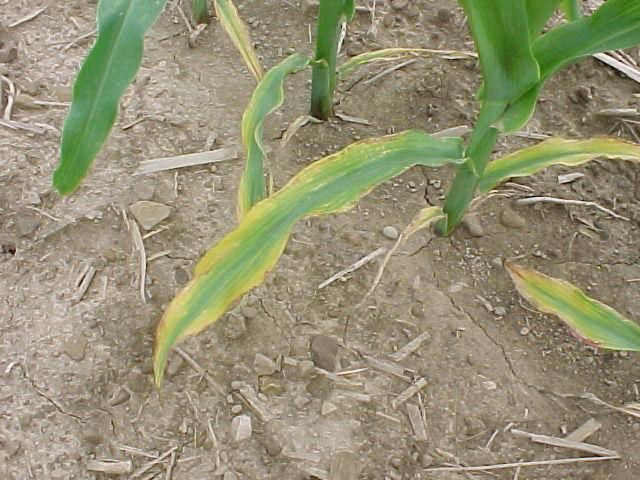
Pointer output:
x,y
516,59
589,320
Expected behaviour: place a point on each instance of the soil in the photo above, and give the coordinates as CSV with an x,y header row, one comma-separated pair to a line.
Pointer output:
x,y
75,373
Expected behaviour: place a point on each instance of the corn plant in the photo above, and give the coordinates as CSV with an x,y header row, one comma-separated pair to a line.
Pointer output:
x,y
516,59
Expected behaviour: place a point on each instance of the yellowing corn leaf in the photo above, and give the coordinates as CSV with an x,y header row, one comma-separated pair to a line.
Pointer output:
x,y
267,96
557,151
107,71
590,320
388,54
243,257
237,31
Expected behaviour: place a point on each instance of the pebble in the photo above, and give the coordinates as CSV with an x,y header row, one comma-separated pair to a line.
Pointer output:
x,y
324,350
301,401
319,387
524,331
418,311
271,444
445,15
413,11
497,262
234,327
249,312
144,191
354,239
473,225
26,225
388,20
181,276
390,232
236,385
92,437
355,49
149,214
399,4
500,311
306,368
263,365
236,409
511,219
74,347
328,408
241,428
426,460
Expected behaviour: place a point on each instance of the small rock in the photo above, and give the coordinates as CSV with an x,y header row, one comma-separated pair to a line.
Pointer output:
x,y
390,232
181,276
473,225
413,11
426,460
354,239
236,385
328,408
324,350
524,331
444,15
355,49
301,401
271,444
241,428
92,437
8,54
249,312
497,262
270,385
26,225
418,311
236,409
234,327
74,347
319,387
500,311
511,219
306,368
399,4
175,365
263,365
144,191
149,214
388,20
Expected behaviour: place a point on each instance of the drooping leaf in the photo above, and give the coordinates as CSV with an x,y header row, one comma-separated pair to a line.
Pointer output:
x,y
239,34
267,97
239,262
388,54
590,320
109,68
557,151
615,25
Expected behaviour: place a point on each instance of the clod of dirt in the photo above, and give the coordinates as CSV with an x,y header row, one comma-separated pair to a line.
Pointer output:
x,y
444,15
241,428
511,219
473,225
149,214
26,225
324,350
249,312
144,191
319,387
390,232
500,311
234,327
263,365
74,347
271,444
497,262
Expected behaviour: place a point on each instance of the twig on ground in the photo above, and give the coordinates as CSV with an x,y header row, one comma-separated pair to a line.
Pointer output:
x,y
629,70
139,244
11,96
389,70
502,466
137,451
183,16
110,467
408,393
87,278
563,201
208,378
188,160
26,18
142,470
410,347
23,126
584,431
172,462
360,263
79,39
417,422
348,118
564,443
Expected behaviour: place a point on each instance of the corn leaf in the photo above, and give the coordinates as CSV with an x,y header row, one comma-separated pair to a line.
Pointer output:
x,y
590,320
388,54
200,10
267,97
243,257
615,25
109,68
538,13
239,34
557,151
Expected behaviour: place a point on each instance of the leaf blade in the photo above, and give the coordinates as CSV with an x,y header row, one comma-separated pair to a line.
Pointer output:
x,y
239,34
557,151
588,318
108,69
242,258
267,97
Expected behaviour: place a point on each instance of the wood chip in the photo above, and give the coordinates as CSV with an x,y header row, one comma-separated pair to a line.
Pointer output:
x,y
348,118
308,456
353,267
84,283
139,244
408,393
189,160
630,71
584,431
417,422
564,443
31,16
110,467
410,347
569,177
387,367
142,470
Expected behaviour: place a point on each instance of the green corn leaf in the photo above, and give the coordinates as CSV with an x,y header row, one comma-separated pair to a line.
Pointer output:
x,y
200,9
615,25
348,10
243,257
557,151
239,34
388,54
109,68
572,9
267,97
539,12
589,320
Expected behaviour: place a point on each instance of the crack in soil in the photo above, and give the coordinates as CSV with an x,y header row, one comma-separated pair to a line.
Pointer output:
x,y
51,400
